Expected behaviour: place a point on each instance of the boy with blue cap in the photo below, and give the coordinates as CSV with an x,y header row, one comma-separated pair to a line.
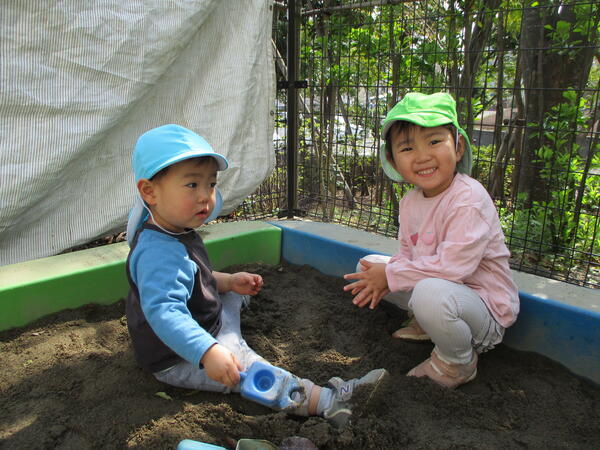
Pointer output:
x,y
183,317
451,272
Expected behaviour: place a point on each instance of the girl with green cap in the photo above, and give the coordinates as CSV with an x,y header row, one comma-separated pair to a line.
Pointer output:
x,y
451,271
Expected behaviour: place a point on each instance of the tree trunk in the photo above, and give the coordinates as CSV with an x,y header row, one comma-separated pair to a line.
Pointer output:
x,y
477,32
549,68
496,177
520,125
396,64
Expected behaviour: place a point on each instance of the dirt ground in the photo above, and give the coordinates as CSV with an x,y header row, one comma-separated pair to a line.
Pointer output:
x,y
69,381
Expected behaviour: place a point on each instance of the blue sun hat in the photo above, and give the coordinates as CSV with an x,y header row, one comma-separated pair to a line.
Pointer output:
x,y
426,111
162,147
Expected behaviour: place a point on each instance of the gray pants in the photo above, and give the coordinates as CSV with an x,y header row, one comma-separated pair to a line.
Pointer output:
x,y
190,376
453,315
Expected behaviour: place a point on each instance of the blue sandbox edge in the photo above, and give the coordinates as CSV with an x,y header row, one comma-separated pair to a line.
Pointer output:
x,y
564,333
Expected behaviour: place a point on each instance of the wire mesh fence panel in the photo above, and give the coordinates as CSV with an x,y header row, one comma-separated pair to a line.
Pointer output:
x,y
526,78
270,199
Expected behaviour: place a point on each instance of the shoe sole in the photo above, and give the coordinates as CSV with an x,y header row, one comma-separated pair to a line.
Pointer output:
x,y
362,403
412,338
340,419
472,377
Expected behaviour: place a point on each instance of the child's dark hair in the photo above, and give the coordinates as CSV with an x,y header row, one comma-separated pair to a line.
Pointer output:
x,y
200,160
401,126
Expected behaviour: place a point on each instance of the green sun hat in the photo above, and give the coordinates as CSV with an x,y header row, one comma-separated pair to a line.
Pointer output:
x,y
428,111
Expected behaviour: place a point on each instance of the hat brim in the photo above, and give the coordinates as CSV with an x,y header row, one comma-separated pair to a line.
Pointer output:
x,y
217,209
387,166
137,216
222,163
422,119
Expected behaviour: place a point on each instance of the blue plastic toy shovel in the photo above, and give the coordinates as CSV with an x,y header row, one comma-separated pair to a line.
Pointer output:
x,y
271,386
188,444
242,444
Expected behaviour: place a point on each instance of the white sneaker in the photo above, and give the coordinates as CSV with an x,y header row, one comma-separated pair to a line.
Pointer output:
x,y
340,410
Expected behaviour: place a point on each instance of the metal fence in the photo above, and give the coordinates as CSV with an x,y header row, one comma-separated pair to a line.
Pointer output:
x,y
526,77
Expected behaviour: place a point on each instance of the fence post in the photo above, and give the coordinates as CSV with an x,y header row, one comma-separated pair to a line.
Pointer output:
x,y
293,64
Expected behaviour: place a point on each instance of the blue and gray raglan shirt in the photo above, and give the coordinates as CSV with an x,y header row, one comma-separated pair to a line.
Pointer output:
x,y
173,308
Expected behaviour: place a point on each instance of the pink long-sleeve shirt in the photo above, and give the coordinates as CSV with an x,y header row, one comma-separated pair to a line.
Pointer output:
x,y
456,236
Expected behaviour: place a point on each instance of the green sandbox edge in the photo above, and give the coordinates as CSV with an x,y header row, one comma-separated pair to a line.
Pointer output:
x,y
34,289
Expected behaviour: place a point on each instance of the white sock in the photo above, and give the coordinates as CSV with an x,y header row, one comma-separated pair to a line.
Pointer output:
x,y
302,410
325,400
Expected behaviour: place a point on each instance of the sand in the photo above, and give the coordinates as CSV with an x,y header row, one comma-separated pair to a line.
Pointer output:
x,y
69,381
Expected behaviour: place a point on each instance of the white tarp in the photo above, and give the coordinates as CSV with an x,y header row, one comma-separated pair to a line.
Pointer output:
x,y
80,81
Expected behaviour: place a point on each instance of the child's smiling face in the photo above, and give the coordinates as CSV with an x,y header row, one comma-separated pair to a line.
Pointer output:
x,y
426,157
184,196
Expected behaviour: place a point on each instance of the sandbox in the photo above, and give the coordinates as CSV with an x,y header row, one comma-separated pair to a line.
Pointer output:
x,y
71,382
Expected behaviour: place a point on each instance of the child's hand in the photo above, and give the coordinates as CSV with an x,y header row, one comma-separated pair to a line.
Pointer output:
x,y
371,286
221,365
245,283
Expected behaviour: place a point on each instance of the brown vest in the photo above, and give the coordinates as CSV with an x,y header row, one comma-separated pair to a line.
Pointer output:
x,y
204,305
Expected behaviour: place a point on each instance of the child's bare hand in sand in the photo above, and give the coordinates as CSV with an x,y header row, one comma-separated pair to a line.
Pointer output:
x,y
221,365
371,286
